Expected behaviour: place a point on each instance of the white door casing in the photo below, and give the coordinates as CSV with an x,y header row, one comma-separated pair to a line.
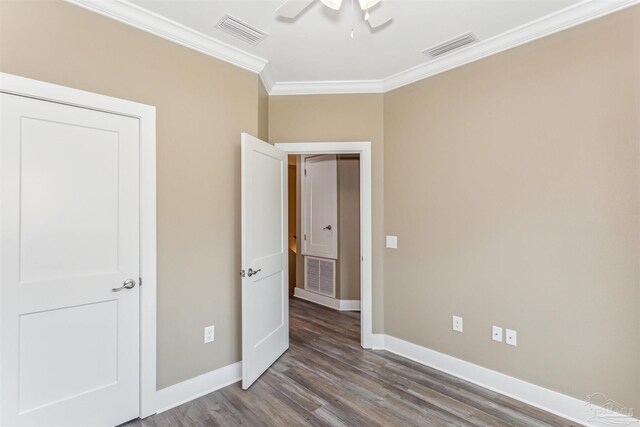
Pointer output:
x,y
70,233
265,309
146,116
320,206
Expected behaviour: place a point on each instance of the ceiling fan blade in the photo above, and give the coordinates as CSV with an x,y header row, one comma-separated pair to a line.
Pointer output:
x,y
368,4
332,4
379,16
292,8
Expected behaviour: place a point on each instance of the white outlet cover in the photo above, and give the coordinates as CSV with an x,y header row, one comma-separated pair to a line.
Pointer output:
x,y
457,323
511,337
209,334
392,242
496,333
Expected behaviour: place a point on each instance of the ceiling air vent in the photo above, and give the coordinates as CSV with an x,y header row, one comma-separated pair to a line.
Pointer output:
x,y
241,30
450,45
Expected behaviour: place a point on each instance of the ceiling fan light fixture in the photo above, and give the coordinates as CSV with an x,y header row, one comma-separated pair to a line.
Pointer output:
x,y
333,4
367,4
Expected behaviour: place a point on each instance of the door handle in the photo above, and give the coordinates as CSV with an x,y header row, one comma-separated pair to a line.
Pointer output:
x,y
128,284
328,227
251,272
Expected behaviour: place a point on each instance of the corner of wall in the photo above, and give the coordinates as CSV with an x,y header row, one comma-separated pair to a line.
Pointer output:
x,y
263,111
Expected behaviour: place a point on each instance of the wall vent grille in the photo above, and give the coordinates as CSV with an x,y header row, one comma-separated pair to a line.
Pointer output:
x,y
450,45
241,30
320,276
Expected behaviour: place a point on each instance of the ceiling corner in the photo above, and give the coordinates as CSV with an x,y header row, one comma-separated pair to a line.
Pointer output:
x,y
267,78
327,87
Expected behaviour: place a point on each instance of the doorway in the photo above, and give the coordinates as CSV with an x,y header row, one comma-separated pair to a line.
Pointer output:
x,y
363,150
324,230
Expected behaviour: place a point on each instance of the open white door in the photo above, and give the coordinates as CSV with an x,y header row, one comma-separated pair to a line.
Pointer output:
x,y
265,309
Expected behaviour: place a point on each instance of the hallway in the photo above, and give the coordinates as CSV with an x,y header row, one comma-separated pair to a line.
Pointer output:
x,y
326,378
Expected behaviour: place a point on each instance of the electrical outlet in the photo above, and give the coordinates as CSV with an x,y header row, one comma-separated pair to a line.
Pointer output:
x,y
392,242
209,334
496,333
511,337
457,323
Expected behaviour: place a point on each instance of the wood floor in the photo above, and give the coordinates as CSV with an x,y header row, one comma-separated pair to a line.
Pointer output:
x,y
327,379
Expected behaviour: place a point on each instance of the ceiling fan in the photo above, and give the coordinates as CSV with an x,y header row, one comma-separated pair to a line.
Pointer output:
x,y
373,13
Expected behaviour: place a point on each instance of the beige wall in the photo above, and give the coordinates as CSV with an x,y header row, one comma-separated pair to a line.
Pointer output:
x,y
513,185
340,118
349,227
202,106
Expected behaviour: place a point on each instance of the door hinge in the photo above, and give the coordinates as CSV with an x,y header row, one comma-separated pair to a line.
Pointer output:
x,y
242,273
305,237
139,281
305,171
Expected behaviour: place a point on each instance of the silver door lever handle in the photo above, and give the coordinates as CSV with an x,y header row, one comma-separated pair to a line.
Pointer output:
x,y
251,272
128,284
328,227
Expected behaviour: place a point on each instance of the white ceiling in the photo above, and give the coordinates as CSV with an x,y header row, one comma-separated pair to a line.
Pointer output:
x,y
317,45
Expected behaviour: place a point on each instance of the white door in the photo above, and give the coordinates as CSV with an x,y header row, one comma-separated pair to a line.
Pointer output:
x,y
320,206
265,310
70,231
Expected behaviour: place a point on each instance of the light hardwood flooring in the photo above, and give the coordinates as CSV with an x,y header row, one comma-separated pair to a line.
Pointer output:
x,y
327,379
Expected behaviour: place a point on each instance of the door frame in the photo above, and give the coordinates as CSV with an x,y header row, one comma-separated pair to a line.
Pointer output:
x,y
146,114
363,148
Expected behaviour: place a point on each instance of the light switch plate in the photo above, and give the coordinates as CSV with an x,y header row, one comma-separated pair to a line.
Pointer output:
x,y
511,337
392,242
496,333
457,323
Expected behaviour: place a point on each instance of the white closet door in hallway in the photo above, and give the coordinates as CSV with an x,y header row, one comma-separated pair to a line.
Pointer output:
x,y
320,206
69,299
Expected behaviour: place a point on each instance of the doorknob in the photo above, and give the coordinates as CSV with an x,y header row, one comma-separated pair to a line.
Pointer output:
x,y
251,272
128,284
328,227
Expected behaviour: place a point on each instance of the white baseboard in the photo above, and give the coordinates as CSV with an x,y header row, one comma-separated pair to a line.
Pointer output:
x,y
186,391
556,403
336,304
377,342
349,305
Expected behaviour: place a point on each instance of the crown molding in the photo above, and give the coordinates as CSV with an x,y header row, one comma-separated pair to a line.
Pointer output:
x,y
140,18
267,78
327,87
128,13
580,13
577,14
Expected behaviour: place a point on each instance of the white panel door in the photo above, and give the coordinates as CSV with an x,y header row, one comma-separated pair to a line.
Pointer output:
x,y
320,206
70,234
265,286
